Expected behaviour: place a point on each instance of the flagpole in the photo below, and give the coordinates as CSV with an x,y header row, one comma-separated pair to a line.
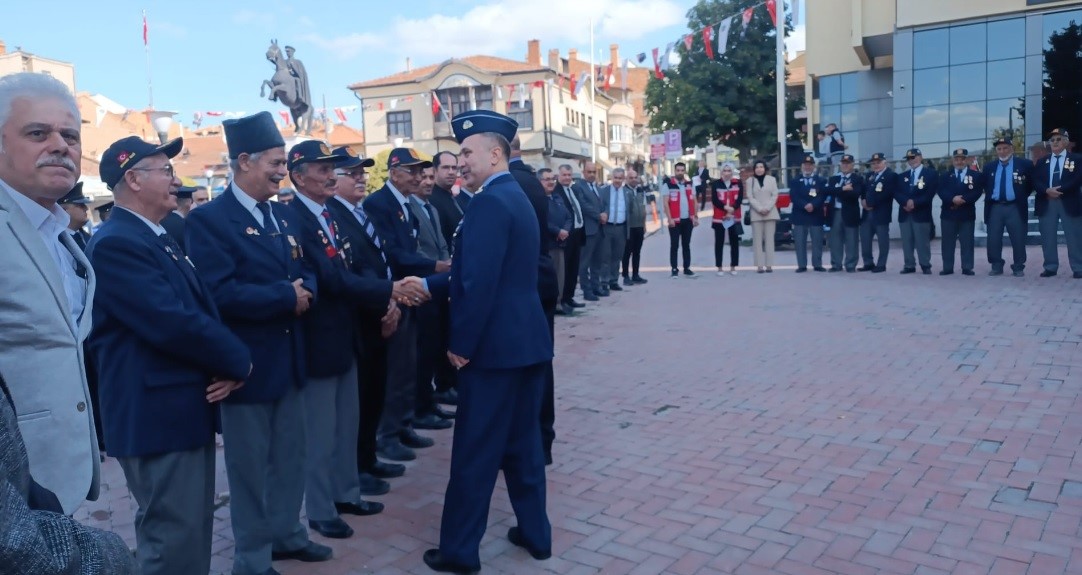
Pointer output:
x,y
593,90
780,73
146,45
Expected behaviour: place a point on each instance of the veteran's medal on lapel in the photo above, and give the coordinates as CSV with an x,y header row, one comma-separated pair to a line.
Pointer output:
x,y
294,249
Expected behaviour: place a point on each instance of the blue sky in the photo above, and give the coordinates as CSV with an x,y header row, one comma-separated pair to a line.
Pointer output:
x,y
209,56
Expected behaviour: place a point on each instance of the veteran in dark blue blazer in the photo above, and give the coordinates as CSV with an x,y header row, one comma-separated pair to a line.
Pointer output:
x,y
959,189
247,250
165,360
1057,182
808,193
1008,183
500,343
914,197
877,205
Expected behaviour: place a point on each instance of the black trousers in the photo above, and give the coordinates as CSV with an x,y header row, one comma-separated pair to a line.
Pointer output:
x,y
548,396
572,249
92,386
633,251
429,349
719,246
680,236
446,374
371,351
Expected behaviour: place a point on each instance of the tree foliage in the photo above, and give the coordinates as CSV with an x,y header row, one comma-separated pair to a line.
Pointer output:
x,y
1062,94
730,98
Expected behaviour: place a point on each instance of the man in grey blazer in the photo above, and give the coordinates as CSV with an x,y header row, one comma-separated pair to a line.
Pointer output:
x,y
431,325
47,287
591,259
618,197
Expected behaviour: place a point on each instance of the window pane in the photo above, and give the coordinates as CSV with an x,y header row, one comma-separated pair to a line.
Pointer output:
x,y
931,86
1007,79
1002,116
483,96
829,114
1006,39
930,124
930,48
968,121
975,147
934,149
967,82
968,44
850,118
829,90
849,87
1056,22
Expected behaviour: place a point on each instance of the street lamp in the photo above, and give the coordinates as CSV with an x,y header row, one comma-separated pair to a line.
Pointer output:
x,y
162,121
210,188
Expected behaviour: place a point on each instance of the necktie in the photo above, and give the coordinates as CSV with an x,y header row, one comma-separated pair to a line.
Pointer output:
x,y
79,241
958,175
1002,192
330,226
1056,172
406,211
268,219
574,205
431,217
370,231
594,190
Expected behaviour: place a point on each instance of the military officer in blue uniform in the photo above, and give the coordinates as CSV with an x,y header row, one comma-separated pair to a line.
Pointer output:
x,y
808,192
1057,181
914,197
500,343
843,213
331,402
246,248
1007,185
878,208
165,361
959,189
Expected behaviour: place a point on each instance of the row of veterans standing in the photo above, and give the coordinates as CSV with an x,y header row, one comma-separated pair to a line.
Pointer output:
x,y
858,210
308,334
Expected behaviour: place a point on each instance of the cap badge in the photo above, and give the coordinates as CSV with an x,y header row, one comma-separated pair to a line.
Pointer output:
x,y
467,125
123,157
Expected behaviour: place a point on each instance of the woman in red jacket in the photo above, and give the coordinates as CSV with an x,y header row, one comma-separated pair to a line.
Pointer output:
x,y
728,194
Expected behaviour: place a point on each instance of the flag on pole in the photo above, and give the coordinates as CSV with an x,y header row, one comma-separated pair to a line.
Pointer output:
x,y
708,41
641,57
687,42
522,95
215,113
667,57
499,93
197,119
772,8
657,66
394,103
341,115
436,106
723,35
748,13
608,77
145,30
582,82
285,116
623,76
572,88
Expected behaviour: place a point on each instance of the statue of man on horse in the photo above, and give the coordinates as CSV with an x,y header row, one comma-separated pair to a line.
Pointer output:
x,y
289,85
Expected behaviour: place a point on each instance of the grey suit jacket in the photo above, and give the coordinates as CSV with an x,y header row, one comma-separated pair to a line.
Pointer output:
x,y
591,205
430,240
41,357
42,542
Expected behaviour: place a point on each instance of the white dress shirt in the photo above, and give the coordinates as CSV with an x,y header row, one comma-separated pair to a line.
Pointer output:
x,y
249,203
317,210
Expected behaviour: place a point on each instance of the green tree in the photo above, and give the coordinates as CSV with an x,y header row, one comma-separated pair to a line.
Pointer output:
x,y
730,98
1062,94
377,174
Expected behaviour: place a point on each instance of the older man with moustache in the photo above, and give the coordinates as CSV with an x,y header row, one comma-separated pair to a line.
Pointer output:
x,y
48,286
165,360
247,250
331,401
372,328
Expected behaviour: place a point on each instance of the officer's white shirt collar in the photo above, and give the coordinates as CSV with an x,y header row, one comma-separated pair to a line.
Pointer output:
x,y
346,203
468,193
156,228
397,194
38,215
316,209
248,202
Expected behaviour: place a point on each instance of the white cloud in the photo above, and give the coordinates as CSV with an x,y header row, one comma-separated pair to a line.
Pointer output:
x,y
255,18
503,28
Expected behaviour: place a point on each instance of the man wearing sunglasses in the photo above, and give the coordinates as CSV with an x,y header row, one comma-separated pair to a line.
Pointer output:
x,y
1058,180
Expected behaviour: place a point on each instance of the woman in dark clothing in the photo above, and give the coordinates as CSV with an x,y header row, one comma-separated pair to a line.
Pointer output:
x,y
727,196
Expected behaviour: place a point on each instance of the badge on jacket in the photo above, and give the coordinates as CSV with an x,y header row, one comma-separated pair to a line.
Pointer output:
x,y
294,249
812,193
879,187
1068,165
920,183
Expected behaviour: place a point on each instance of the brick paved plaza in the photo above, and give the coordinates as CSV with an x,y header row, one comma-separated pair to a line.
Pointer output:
x,y
796,424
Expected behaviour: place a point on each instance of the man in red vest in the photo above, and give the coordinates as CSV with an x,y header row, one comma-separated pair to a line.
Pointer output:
x,y
679,206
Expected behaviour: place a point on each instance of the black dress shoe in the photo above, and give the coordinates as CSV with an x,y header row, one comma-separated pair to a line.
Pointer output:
x,y
819,268
879,270
926,271
384,470
615,287
412,440
567,310
834,269
436,562
590,297
548,459
372,485
850,270
1047,274
946,272
688,272
361,507
396,452
1018,273
442,413
628,282
604,292
866,268
332,529
311,553
801,270
1077,275
967,272
639,279
995,273
560,310
908,271
448,397
430,421
515,537
574,304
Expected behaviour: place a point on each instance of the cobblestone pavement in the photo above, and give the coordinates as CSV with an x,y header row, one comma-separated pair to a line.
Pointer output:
x,y
795,424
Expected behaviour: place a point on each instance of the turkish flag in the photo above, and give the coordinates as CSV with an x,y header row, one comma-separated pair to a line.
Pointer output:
x,y
771,6
708,41
657,66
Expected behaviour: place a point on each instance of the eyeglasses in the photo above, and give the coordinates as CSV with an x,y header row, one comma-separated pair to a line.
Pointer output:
x,y
548,179
168,169
355,174
412,170
1057,139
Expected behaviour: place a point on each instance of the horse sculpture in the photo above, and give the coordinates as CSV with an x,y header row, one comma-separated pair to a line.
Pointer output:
x,y
287,87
